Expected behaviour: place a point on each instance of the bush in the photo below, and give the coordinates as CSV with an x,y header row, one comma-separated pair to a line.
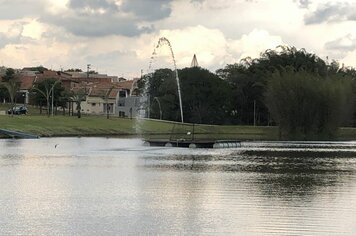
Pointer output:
x,y
307,106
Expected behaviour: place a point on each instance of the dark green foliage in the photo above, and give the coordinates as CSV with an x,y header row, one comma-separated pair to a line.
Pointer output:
x,y
4,94
249,79
9,86
205,96
9,75
285,56
248,84
74,70
163,86
308,106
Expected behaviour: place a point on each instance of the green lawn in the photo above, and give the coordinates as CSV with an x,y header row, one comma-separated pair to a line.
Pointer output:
x,y
100,126
67,126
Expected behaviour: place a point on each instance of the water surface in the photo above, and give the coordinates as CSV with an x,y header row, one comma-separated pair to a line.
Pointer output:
x,y
100,186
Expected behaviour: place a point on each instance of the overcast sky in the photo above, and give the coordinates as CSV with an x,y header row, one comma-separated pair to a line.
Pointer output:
x,y
118,36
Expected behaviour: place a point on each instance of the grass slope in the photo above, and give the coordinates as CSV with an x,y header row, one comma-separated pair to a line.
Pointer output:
x,y
98,125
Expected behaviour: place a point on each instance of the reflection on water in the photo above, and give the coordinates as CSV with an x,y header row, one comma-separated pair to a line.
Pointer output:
x,y
86,186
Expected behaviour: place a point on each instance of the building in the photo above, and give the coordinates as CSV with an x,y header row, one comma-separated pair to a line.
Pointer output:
x,y
128,104
99,99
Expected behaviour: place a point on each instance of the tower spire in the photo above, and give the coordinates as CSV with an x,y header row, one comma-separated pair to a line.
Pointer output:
x,y
194,62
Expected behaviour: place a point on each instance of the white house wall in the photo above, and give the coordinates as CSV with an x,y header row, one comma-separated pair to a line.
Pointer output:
x,y
95,105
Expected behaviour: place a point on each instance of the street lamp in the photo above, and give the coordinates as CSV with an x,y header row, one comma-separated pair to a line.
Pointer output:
x,y
159,105
52,91
47,93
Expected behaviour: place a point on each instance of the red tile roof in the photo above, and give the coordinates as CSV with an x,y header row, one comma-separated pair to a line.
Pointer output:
x,y
101,92
27,82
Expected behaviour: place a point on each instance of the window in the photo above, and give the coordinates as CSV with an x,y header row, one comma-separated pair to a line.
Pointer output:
x,y
122,94
93,104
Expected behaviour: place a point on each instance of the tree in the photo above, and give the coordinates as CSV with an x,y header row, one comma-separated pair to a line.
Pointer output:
x,y
247,85
161,84
308,106
4,95
9,75
12,86
106,98
45,89
77,98
74,70
249,79
206,97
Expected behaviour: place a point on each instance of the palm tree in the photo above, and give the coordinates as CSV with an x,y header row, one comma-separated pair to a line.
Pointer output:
x,y
77,98
106,98
12,86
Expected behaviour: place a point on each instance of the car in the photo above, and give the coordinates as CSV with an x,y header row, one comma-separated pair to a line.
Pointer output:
x,y
19,110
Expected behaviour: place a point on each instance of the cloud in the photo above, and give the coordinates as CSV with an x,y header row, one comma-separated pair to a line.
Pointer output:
x,y
213,49
332,12
254,43
17,9
13,34
148,10
303,3
97,18
118,36
114,59
218,4
97,26
92,4
346,44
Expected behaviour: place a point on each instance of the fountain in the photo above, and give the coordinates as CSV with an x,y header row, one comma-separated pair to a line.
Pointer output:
x,y
183,135
162,42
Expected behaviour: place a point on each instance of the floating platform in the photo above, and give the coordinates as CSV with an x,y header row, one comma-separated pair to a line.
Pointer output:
x,y
16,134
194,143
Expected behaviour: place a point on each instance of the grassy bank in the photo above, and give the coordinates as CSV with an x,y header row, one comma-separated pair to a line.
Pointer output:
x,y
67,126
100,126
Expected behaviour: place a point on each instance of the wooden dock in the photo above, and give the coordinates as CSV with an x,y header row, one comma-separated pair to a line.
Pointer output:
x,y
193,143
17,135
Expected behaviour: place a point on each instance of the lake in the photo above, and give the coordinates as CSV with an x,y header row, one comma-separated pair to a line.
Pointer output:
x,y
112,186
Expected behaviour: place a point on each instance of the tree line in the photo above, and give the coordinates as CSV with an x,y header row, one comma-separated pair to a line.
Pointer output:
x,y
308,97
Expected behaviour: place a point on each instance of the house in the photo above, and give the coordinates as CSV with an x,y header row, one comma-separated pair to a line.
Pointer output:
x,y
26,83
117,96
99,99
128,104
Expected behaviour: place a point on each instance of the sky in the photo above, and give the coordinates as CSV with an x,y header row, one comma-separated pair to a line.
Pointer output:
x,y
118,37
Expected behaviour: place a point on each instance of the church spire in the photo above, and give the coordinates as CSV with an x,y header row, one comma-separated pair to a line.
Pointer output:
x,y
194,62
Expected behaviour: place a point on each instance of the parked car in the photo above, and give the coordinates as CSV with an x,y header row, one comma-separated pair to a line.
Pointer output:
x,y
19,110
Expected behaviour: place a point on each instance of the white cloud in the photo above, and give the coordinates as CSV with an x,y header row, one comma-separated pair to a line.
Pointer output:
x,y
349,59
33,30
219,32
213,49
254,43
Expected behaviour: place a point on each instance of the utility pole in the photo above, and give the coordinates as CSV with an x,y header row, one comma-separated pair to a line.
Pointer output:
x,y
52,91
88,68
85,88
254,112
52,101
